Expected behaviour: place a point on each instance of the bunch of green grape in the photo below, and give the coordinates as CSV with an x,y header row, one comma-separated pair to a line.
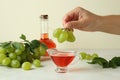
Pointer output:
x,y
64,34
86,56
21,55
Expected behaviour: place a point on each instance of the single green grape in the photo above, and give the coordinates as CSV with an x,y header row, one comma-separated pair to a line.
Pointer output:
x,y
26,66
63,36
18,51
37,53
19,58
36,50
71,37
12,55
57,32
15,64
2,50
83,55
88,57
10,49
36,63
94,55
23,56
22,47
2,56
6,61
29,57
42,51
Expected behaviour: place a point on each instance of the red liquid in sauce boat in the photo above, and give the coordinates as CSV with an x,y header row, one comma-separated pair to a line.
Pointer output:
x,y
62,59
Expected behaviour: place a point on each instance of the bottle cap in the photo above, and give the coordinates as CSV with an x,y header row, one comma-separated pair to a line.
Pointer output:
x,y
45,16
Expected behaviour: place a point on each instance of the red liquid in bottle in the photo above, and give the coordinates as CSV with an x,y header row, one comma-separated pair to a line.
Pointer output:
x,y
48,42
62,59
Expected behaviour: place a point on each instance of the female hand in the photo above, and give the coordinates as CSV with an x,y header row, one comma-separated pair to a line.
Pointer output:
x,y
81,19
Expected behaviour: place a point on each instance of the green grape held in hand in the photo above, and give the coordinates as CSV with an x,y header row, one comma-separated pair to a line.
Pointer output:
x,y
71,37
57,32
63,36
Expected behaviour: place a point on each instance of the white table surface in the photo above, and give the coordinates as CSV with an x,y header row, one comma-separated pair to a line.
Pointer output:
x,y
79,71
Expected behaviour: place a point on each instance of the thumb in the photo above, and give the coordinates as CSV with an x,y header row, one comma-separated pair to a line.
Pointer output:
x,y
72,24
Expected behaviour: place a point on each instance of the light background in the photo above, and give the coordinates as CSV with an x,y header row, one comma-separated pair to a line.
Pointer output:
x,y
22,17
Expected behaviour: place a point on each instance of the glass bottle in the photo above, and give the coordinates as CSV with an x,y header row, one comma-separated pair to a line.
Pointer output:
x,y
44,33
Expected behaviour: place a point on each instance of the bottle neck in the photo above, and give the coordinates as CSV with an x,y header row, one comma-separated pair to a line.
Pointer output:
x,y
44,28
